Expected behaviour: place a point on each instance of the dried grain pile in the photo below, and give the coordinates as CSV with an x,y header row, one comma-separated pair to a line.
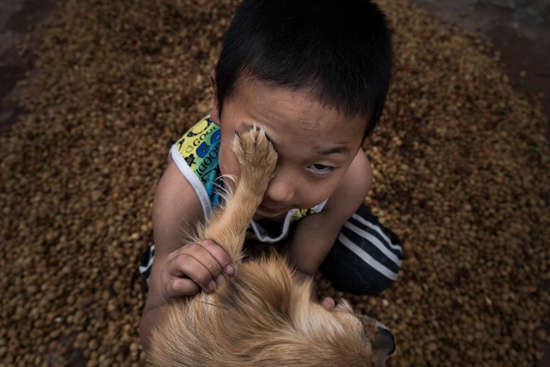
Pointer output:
x,y
461,170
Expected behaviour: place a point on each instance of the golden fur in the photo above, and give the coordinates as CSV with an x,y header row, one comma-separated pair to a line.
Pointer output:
x,y
261,316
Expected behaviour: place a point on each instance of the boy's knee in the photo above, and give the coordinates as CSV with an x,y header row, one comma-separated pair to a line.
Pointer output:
x,y
366,257
357,277
146,262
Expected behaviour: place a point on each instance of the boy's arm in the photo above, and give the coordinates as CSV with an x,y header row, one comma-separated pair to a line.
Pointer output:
x,y
316,234
177,270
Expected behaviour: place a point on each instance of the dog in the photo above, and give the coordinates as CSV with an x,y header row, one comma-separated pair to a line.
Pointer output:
x,y
261,316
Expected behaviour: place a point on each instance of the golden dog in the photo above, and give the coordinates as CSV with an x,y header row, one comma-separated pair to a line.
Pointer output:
x,y
261,316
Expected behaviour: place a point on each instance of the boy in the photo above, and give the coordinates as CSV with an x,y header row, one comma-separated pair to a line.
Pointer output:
x,y
314,74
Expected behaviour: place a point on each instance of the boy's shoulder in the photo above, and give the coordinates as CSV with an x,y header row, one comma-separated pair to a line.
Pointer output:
x,y
202,140
196,156
353,188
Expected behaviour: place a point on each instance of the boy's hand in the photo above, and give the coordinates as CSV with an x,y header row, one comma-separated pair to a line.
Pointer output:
x,y
328,303
195,266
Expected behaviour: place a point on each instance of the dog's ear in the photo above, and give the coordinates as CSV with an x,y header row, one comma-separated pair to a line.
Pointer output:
x,y
383,345
380,338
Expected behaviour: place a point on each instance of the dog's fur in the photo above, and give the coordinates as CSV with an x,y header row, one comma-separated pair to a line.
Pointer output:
x,y
261,316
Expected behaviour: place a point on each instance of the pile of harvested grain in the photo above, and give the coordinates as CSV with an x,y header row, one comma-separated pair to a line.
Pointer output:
x,y
461,173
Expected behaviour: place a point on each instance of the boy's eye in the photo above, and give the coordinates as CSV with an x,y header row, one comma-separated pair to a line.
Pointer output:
x,y
320,169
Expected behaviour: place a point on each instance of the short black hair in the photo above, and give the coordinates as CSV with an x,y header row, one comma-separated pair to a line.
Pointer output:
x,y
341,50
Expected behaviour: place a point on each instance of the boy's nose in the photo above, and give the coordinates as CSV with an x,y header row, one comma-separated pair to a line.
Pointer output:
x,y
281,187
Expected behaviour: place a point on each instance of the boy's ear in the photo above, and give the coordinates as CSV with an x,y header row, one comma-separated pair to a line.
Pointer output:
x,y
215,112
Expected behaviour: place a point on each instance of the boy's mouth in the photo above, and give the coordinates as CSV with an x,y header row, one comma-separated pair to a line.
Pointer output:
x,y
265,210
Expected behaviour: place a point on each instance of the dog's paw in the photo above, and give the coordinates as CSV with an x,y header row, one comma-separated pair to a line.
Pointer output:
x,y
255,154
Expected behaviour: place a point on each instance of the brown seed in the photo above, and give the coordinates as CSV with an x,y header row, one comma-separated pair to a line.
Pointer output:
x,y
460,174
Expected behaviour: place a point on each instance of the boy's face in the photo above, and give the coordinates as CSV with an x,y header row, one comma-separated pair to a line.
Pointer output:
x,y
315,143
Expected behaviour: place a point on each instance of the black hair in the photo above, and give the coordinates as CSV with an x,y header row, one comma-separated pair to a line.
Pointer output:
x,y
341,50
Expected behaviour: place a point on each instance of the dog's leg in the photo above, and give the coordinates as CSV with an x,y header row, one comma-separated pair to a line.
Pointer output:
x,y
257,159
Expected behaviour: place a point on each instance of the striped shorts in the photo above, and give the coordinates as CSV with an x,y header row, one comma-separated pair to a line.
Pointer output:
x,y
365,259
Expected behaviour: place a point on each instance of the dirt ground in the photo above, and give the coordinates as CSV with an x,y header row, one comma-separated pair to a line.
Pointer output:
x,y
461,170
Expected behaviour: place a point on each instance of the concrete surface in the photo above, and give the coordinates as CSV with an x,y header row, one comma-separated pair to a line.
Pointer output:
x,y
519,29
17,17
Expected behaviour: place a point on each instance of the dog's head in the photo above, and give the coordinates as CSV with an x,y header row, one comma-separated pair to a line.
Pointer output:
x,y
263,317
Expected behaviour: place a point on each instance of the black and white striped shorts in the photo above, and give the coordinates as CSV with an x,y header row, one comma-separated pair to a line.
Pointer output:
x,y
365,259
